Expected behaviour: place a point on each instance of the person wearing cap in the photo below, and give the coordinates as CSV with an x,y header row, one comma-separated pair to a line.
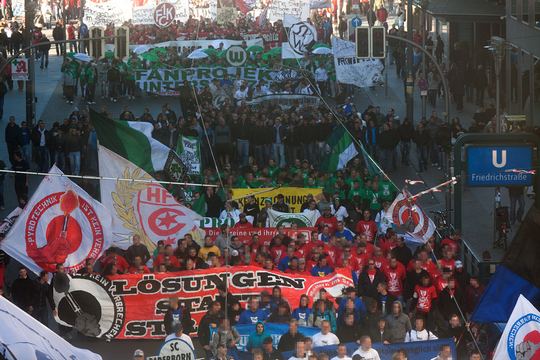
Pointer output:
x,y
243,222
178,333
280,204
138,355
359,306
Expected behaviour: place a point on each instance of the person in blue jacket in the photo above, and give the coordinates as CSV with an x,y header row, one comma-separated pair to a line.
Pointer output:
x,y
359,306
322,268
253,314
303,312
256,339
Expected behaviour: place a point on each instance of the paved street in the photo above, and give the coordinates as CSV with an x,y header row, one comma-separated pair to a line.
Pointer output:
x,y
478,203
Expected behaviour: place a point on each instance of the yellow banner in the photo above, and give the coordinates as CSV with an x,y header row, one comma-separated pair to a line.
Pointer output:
x,y
294,196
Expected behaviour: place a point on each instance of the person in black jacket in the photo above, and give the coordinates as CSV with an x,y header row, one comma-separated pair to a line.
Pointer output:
x,y
58,35
12,136
177,314
210,320
137,249
348,330
381,333
421,139
288,340
23,291
369,279
387,146
43,299
406,134
43,48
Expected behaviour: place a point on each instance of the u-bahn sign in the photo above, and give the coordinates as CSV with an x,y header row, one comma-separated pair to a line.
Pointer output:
x,y
499,165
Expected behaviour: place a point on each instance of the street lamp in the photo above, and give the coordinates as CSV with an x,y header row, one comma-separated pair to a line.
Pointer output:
x,y
498,47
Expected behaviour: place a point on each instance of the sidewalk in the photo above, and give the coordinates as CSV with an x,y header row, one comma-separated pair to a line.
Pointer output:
x,y
478,203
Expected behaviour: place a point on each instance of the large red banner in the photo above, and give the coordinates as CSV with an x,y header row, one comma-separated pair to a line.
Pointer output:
x,y
133,306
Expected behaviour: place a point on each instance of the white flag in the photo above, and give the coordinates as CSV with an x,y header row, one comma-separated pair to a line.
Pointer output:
x,y
23,337
60,224
303,219
142,208
521,336
405,213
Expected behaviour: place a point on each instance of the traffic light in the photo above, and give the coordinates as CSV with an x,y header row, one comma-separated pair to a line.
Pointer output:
x,y
378,42
121,42
362,42
97,47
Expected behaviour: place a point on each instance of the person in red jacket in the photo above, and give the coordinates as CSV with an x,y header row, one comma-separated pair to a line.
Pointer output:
x,y
111,257
277,250
424,296
138,267
327,219
395,276
367,226
243,223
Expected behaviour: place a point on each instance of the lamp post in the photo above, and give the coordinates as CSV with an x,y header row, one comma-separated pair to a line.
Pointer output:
x,y
498,47
29,12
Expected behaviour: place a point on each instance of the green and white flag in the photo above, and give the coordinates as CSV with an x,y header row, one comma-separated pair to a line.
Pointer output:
x,y
133,141
341,150
189,150
278,218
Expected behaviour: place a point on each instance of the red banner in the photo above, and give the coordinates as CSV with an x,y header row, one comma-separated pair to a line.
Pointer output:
x,y
265,234
133,306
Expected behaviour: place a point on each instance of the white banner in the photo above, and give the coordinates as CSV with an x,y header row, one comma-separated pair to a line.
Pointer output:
x,y
23,337
352,70
301,37
143,12
406,214
19,69
286,101
189,150
521,335
297,8
188,44
61,224
103,13
143,209
9,221
203,8
277,218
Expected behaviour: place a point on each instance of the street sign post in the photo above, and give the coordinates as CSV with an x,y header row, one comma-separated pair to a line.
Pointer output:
x,y
499,165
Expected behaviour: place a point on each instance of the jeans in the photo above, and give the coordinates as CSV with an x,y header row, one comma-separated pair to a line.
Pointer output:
x,y
44,59
242,147
75,162
422,153
389,159
43,159
27,152
59,159
405,150
278,151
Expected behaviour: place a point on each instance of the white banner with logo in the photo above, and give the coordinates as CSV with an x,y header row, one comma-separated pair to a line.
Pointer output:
x,y
61,224
188,44
278,218
301,37
19,69
352,70
144,209
103,13
23,337
521,336
280,8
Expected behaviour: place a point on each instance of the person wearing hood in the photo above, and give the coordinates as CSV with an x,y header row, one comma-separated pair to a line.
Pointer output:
x,y
398,323
253,314
321,313
256,339
348,329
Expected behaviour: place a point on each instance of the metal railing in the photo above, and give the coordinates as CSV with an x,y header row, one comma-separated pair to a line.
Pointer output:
x,y
475,265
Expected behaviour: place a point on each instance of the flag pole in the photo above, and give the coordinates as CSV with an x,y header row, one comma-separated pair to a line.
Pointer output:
x,y
91,177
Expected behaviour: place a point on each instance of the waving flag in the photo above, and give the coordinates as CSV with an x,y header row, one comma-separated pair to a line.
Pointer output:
x,y
521,336
61,224
404,212
342,150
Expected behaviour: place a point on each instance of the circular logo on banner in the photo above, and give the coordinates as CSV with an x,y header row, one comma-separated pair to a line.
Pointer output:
x,y
55,228
523,339
236,55
301,37
164,15
90,306
175,349
287,221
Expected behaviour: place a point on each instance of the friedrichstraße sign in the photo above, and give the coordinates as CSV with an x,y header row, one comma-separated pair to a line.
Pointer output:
x,y
489,165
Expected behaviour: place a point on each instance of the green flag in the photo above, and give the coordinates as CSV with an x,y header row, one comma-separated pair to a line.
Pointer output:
x,y
342,150
189,150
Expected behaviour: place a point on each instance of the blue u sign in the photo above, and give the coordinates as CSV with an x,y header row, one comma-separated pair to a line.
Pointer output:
x,y
499,165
